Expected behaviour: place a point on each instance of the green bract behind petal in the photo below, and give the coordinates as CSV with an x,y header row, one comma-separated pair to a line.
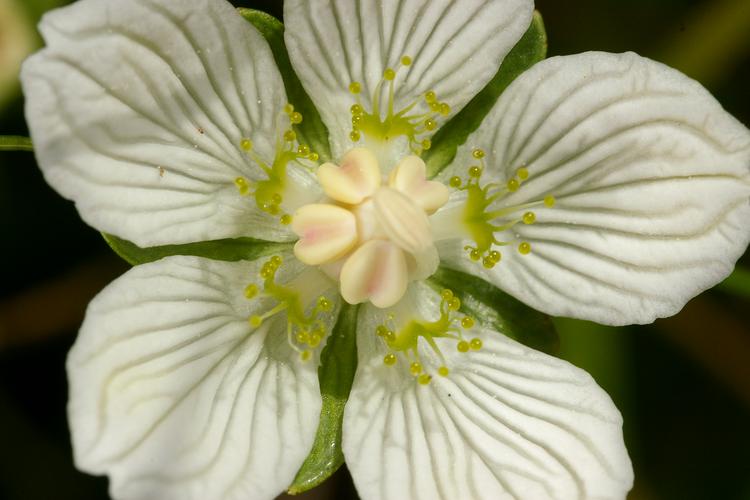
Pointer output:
x,y
529,50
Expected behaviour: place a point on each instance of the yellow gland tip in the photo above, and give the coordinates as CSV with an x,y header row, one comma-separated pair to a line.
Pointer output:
x,y
443,371
430,124
476,344
478,154
430,97
467,322
424,379
355,136
513,185
445,109
415,368
296,118
289,109
463,346
454,304
389,359
357,109
549,201
426,144
406,61
522,173
524,248
303,149
475,172
389,74
285,219
246,144
305,355
290,136
529,218
446,294
455,182
255,321
355,88
242,186
251,291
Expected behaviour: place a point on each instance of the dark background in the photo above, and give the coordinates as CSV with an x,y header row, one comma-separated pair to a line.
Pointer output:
x,y
682,384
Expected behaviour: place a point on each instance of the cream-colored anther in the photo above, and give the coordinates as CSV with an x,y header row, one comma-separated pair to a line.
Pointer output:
x,y
377,272
355,179
403,221
326,232
410,177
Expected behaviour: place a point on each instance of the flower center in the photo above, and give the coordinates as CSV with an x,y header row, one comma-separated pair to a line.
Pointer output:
x,y
371,234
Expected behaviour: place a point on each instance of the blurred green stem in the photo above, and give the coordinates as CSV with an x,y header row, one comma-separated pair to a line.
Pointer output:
x,y
737,283
15,143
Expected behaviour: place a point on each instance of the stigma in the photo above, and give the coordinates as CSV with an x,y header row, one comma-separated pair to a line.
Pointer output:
x,y
372,234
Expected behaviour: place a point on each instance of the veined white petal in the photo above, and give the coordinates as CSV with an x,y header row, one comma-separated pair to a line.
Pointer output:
x,y
651,177
175,396
456,46
137,109
506,423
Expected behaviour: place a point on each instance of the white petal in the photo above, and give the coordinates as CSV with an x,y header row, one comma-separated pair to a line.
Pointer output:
x,y
506,423
175,397
456,46
137,109
652,180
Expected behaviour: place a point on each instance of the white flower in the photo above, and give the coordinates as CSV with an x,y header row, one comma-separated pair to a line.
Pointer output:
x,y
600,186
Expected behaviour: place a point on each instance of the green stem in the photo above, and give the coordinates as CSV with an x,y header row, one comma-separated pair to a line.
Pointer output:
x,y
15,143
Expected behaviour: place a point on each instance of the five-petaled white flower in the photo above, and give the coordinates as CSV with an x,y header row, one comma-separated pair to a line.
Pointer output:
x,y
600,186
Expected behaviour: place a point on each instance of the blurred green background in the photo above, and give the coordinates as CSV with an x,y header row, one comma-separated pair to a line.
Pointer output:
x,y
682,384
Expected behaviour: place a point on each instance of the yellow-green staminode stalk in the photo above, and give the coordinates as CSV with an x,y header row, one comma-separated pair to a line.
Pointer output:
x,y
383,123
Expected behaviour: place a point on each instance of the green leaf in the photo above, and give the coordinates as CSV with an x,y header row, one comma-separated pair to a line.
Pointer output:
x,y
338,362
531,49
15,143
228,249
311,131
498,310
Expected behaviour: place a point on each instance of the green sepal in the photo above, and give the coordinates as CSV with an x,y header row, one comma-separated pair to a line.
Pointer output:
x,y
228,249
311,131
531,49
497,310
338,362
15,143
